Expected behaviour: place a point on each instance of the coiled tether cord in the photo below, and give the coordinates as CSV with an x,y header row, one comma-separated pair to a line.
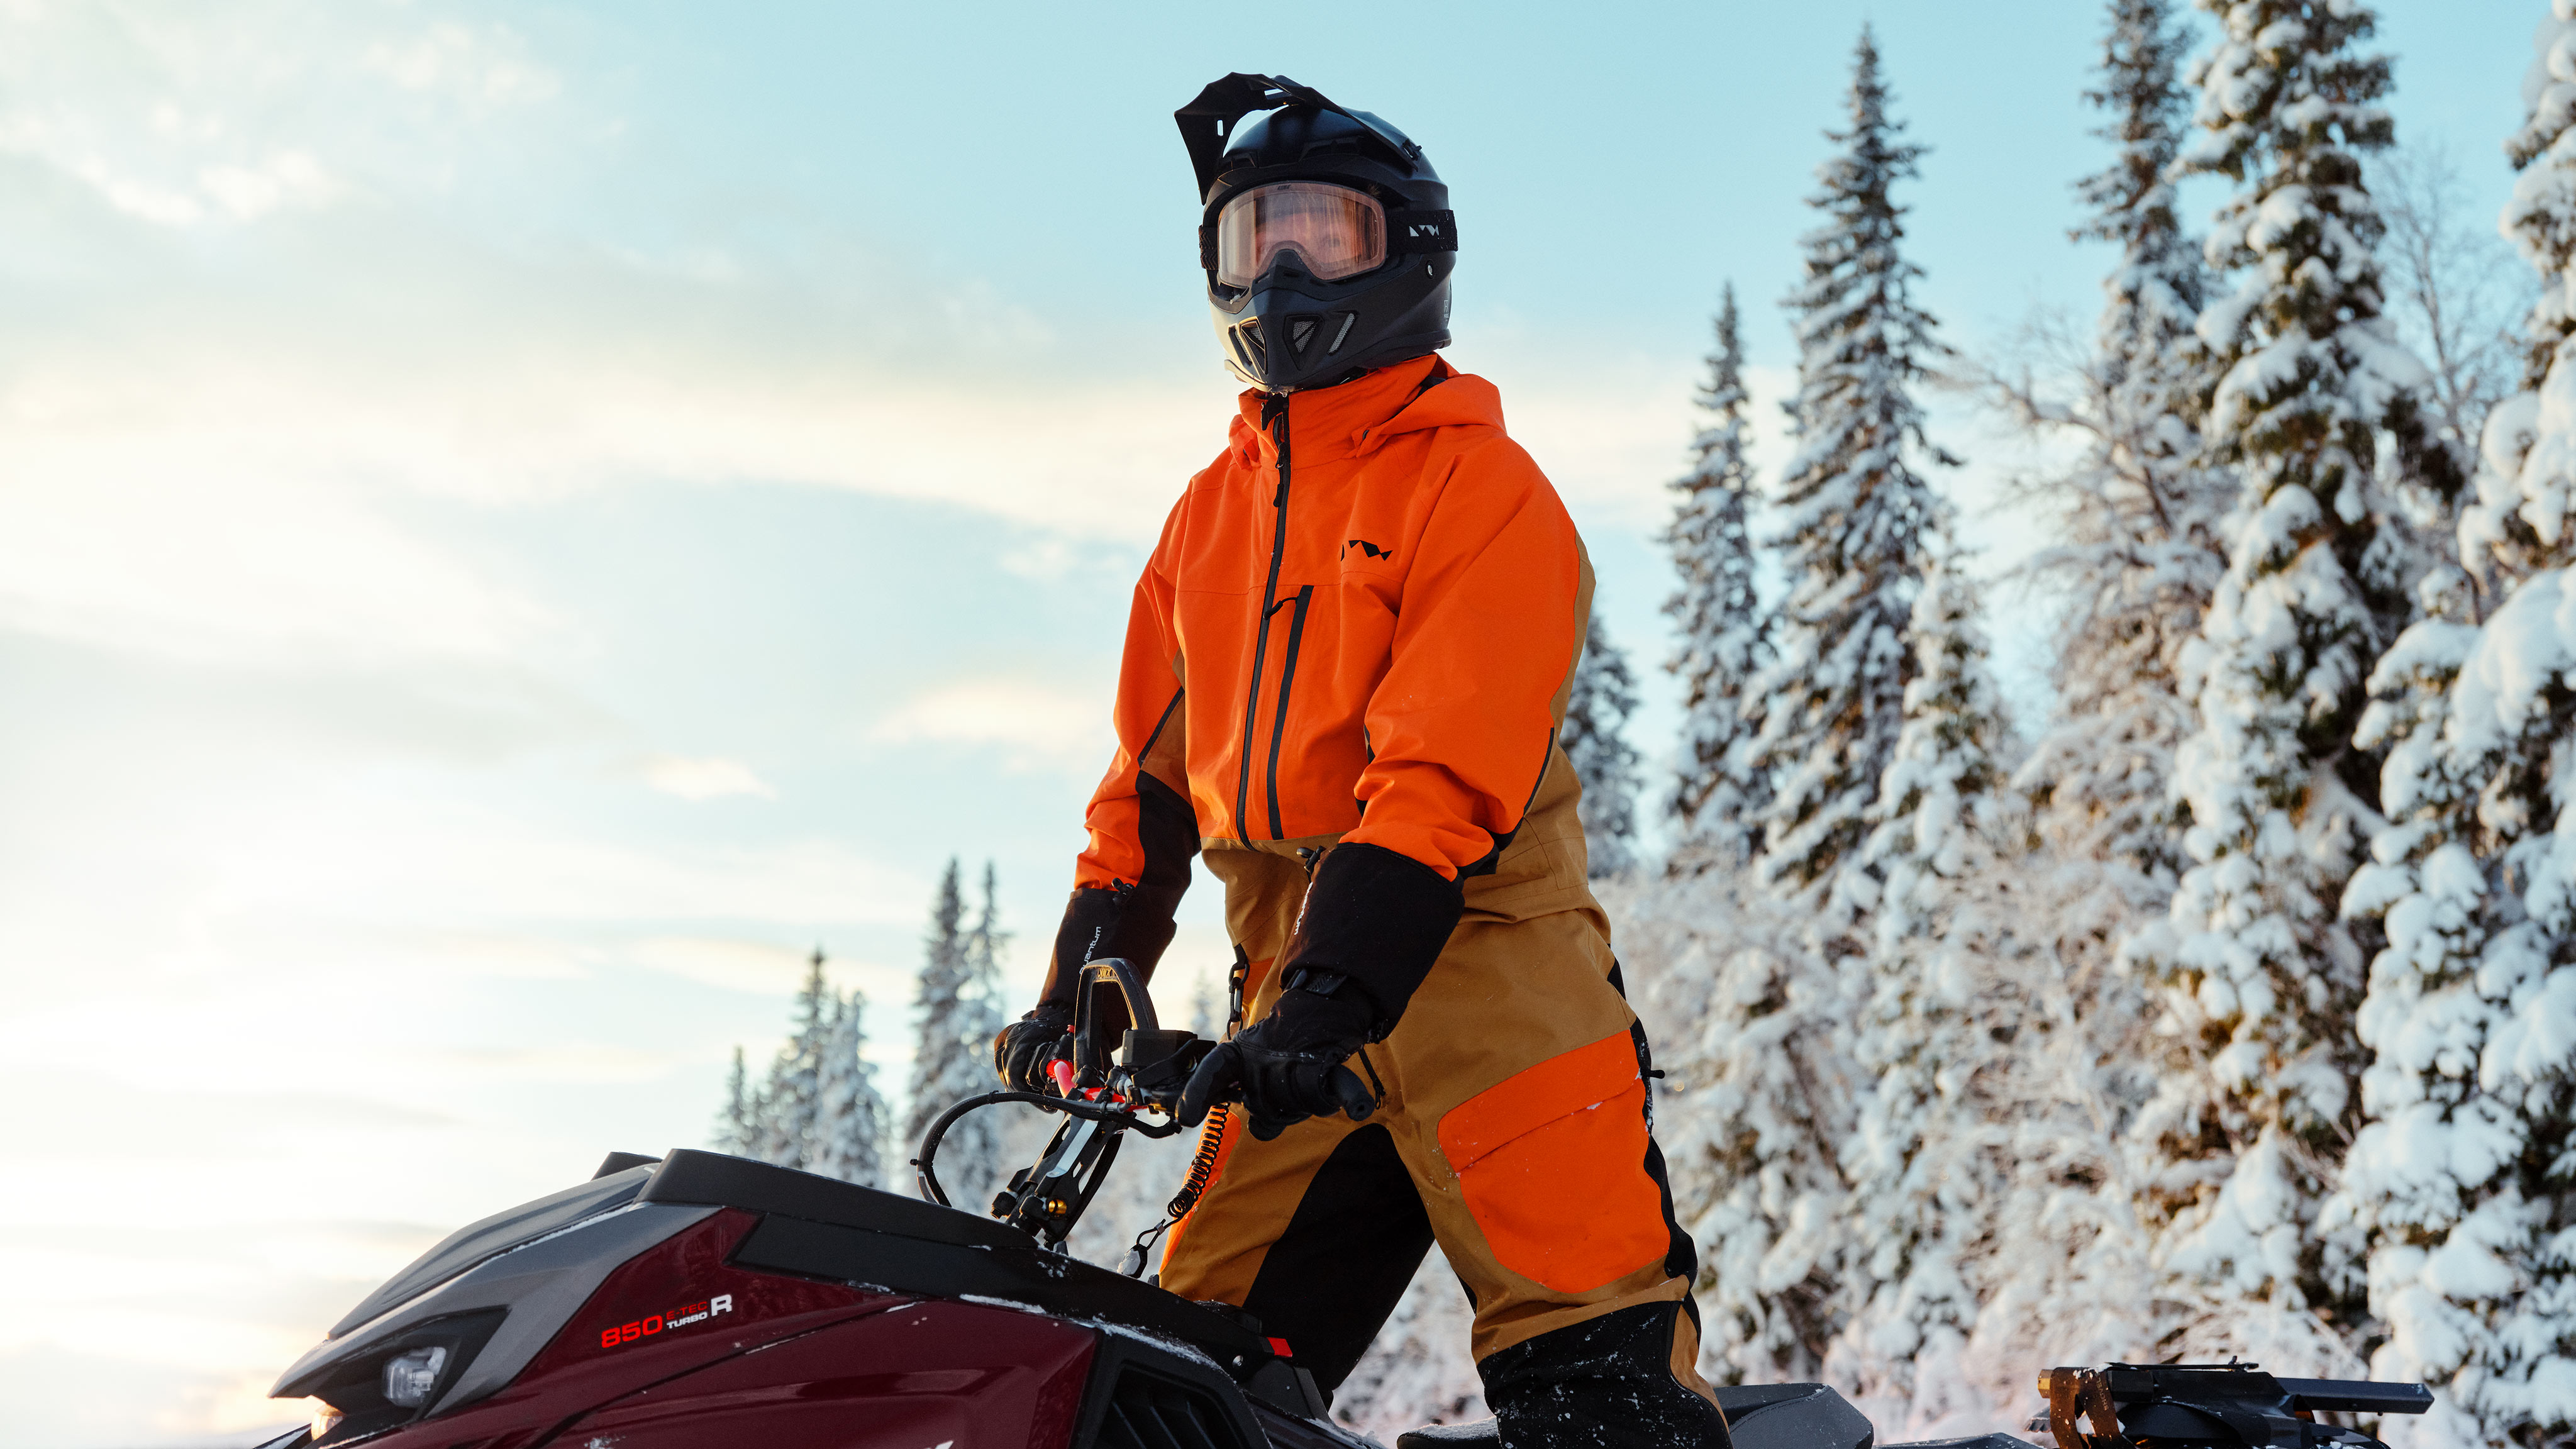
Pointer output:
x,y
1202,1172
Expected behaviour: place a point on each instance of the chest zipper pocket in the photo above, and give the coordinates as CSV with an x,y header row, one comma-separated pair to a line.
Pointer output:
x,y
1287,678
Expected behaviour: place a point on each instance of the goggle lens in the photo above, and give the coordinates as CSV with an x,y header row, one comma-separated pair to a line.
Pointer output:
x,y
1335,231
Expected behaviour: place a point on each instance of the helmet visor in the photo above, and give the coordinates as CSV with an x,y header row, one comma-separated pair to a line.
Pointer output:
x,y
1335,231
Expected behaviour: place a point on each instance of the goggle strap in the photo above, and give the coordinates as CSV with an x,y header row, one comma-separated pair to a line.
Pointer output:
x,y
1421,229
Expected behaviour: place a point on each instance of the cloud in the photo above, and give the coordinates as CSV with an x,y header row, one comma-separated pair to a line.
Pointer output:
x,y
1031,723
190,1121
704,779
173,542
188,116
758,967
482,68
576,1061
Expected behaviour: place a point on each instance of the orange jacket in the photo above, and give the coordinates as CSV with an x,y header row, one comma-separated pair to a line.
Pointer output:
x,y
1371,644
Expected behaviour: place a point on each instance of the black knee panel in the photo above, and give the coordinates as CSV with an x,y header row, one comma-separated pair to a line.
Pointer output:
x,y
1606,1383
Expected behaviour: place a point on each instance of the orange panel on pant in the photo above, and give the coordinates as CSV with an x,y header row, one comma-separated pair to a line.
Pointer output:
x,y
1552,1163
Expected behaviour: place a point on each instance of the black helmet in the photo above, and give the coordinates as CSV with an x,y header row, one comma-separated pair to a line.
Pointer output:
x,y
1326,236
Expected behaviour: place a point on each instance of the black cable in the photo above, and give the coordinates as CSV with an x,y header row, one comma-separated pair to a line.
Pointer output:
x,y
1071,1106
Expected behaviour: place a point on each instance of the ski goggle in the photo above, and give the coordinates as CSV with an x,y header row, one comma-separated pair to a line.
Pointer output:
x,y
1335,231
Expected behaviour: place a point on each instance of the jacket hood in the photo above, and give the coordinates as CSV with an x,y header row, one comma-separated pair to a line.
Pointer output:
x,y
1360,415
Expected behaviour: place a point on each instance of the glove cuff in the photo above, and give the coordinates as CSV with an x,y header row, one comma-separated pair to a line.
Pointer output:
x,y
1100,923
1379,918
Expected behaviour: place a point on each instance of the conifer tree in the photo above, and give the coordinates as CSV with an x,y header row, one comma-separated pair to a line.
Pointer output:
x,y
1597,706
2056,1046
791,1101
1768,984
850,1120
981,996
1725,640
738,1124
2138,514
2456,1188
2258,972
1760,1096
1207,1008
1857,510
1946,1007
953,1041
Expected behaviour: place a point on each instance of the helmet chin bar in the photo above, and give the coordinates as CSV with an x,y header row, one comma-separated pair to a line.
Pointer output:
x,y
1283,332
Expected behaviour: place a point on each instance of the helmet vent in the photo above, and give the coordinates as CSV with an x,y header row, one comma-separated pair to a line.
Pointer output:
x,y
1341,332
1247,345
1301,333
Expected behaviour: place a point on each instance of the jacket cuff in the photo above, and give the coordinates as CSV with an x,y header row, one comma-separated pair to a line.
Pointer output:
x,y
1099,923
1379,918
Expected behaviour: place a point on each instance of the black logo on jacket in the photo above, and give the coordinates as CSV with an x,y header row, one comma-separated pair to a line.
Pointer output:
x,y
1366,548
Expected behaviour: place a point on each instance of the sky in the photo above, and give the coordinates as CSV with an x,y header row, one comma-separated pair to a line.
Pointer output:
x,y
519,522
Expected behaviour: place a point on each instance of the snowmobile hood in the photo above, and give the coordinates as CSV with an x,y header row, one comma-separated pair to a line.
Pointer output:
x,y
477,1243
1358,417
532,1306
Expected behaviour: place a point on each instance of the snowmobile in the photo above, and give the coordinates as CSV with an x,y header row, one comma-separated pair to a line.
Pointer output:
x,y
698,1300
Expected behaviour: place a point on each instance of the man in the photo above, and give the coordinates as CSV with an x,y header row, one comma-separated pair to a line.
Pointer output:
x,y
1345,670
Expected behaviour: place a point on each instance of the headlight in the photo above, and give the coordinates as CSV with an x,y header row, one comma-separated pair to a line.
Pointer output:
x,y
411,1375
400,1377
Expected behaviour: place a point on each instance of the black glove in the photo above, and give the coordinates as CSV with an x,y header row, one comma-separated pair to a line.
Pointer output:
x,y
1022,1050
1288,1066
1374,922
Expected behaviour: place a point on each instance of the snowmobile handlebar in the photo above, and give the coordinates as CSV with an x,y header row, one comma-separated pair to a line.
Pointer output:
x,y
1102,1091
1156,1063
925,1165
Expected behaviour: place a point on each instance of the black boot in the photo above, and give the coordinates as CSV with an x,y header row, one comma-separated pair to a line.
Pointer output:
x,y
1603,1384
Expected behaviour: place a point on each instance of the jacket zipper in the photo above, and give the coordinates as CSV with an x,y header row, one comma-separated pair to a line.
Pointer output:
x,y
1279,723
1274,416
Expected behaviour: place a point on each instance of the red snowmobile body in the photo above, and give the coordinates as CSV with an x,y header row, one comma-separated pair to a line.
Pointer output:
x,y
701,1301
706,1300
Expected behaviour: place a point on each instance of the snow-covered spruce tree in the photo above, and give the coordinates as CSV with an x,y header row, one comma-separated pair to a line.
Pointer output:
x,y
1597,706
1207,1007
2458,1185
1857,511
1765,984
792,1099
1947,1006
1749,1017
2138,556
2260,977
738,1128
1724,638
982,993
850,1121
953,1041
2137,514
